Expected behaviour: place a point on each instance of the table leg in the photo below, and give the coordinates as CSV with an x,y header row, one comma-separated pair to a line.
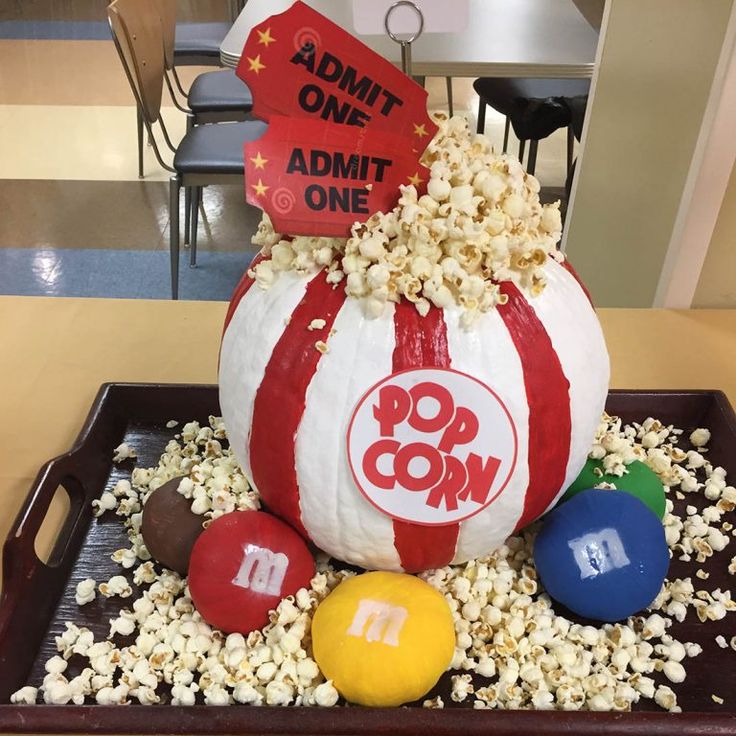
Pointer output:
x,y
174,186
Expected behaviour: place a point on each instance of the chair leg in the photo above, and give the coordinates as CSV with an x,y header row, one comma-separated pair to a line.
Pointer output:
x,y
187,214
178,83
174,187
570,147
196,202
531,164
506,130
139,128
481,115
522,146
448,82
188,195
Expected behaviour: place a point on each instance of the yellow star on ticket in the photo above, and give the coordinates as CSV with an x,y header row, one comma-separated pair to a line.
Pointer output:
x,y
420,130
416,180
260,188
265,37
258,161
255,64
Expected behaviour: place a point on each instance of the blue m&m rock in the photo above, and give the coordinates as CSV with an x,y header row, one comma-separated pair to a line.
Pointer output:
x,y
602,554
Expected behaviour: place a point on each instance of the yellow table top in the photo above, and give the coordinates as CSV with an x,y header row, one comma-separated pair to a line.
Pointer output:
x,y
56,352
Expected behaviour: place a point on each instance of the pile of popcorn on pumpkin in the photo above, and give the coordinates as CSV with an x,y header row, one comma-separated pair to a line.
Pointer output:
x,y
512,650
479,224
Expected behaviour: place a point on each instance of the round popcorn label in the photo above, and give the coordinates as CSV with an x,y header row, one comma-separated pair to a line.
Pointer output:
x,y
431,446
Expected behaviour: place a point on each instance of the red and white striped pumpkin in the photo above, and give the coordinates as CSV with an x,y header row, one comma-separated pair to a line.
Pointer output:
x,y
287,406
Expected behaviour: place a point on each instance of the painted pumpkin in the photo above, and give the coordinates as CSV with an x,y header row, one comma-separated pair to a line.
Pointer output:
x,y
288,405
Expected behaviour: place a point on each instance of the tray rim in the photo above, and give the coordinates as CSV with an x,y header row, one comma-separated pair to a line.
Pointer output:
x,y
202,719
315,721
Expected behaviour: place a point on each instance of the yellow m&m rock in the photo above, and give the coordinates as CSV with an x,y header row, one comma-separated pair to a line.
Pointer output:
x,y
383,638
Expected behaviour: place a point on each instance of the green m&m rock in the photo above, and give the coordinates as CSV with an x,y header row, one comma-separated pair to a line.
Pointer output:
x,y
640,481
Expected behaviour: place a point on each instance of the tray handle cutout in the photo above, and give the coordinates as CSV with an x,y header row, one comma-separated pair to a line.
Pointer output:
x,y
46,523
49,532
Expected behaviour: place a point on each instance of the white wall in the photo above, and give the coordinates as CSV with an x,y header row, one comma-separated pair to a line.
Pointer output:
x,y
658,61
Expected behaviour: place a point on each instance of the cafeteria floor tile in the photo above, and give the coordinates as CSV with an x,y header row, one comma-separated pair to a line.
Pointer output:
x,y
39,73
94,10
73,142
123,274
85,30
129,215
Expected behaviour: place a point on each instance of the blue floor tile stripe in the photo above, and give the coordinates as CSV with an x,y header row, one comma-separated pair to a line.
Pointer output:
x,y
88,30
55,30
124,274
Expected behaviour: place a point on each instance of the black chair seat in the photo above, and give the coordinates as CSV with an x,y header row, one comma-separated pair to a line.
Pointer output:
x,y
200,39
216,149
219,92
536,107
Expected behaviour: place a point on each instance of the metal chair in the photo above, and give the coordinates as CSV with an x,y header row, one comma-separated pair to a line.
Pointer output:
x,y
534,107
198,44
214,97
208,154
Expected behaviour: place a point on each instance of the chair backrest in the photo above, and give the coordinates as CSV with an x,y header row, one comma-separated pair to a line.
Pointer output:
x,y
167,13
137,29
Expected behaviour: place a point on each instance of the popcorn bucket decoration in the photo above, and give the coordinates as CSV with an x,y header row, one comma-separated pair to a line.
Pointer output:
x,y
409,394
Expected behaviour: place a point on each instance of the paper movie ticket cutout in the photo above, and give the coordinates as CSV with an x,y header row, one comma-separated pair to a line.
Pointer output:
x,y
318,178
299,63
431,446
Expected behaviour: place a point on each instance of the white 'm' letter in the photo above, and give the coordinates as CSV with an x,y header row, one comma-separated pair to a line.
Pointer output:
x,y
378,621
599,552
261,570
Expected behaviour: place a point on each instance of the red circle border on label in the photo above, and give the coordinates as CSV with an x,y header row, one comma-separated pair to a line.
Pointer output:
x,y
415,370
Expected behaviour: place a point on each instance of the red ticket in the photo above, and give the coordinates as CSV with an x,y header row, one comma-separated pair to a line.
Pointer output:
x,y
318,178
301,64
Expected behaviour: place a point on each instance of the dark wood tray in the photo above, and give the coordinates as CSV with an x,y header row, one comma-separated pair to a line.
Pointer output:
x,y
38,598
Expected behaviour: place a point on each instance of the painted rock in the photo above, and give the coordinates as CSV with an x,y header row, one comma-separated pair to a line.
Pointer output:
x,y
539,363
640,481
242,566
169,527
602,554
383,638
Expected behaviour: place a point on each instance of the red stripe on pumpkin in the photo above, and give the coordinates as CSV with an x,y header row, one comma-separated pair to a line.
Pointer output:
x,y
421,342
568,267
241,290
290,369
548,397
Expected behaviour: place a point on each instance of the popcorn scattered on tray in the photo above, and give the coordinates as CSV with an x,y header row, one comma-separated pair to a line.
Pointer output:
x,y
480,223
86,591
512,649
123,452
116,586
25,696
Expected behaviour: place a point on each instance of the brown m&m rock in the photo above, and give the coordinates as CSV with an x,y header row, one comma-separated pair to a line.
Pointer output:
x,y
169,527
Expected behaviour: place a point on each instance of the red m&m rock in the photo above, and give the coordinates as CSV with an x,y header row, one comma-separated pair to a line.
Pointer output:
x,y
242,566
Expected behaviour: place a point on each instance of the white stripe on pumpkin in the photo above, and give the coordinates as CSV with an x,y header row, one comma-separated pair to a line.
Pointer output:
x,y
573,327
247,345
337,516
487,353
